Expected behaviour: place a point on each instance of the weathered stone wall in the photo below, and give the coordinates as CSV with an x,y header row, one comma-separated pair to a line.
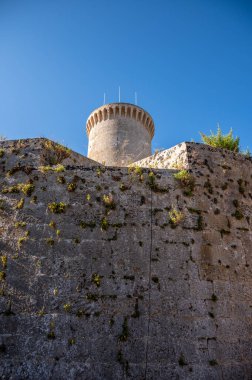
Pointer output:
x,y
173,158
27,153
114,290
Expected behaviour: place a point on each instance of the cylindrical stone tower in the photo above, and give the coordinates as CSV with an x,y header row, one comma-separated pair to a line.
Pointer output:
x,y
119,134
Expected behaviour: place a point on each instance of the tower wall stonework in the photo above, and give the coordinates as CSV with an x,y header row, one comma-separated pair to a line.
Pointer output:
x,y
119,134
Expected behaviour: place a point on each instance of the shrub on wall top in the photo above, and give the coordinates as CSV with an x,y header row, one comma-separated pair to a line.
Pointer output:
x,y
219,140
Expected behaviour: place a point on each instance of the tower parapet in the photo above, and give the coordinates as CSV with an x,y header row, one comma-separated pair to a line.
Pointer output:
x,y
119,134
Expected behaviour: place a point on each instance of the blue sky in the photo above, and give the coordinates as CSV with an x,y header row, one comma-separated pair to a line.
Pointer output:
x,y
189,61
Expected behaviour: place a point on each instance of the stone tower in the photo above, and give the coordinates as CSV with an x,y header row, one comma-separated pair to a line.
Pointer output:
x,y
119,134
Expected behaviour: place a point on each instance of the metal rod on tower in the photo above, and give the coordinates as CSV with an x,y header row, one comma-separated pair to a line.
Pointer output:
x,y
104,98
136,98
119,94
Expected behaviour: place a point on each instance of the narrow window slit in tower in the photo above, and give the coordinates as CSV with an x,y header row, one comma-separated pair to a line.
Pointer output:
x,y
100,116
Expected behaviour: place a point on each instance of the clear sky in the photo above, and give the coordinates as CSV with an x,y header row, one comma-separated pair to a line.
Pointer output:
x,y
190,62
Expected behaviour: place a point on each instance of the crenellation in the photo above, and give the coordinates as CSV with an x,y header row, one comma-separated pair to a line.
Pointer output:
x,y
119,134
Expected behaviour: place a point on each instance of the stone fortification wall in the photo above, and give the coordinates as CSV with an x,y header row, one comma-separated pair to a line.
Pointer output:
x,y
119,134
173,158
96,287
28,153
188,155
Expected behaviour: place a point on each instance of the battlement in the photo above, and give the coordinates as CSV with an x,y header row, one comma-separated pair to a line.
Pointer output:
x,y
117,110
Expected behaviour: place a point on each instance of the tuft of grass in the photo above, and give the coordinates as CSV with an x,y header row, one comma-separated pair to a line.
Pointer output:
x,y
96,279
71,341
55,152
247,153
45,169
20,204
2,275
87,224
104,224
108,201
71,187
2,151
57,208
219,140
22,239
2,204
123,187
151,180
67,307
52,224
135,169
26,188
4,261
57,168
175,217
50,241
11,189
61,179
186,181
20,224
41,312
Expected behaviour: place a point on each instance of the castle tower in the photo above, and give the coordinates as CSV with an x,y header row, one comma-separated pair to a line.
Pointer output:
x,y
119,134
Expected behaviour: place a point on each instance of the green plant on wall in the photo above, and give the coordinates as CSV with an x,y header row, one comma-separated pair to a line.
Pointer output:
x,y
57,208
104,224
67,307
20,224
4,261
219,140
109,202
175,217
20,204
96,279
71,187
50,241
186,181
26,188
55,152
58,168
